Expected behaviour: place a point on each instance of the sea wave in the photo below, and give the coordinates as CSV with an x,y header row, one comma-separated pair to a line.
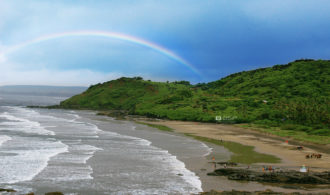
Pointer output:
x,y
4,138
86,152
15,123
164,161
177,167
27,158
48,159
209,149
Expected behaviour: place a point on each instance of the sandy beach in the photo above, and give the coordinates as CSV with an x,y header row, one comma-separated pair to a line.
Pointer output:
x,y
263,143
291,158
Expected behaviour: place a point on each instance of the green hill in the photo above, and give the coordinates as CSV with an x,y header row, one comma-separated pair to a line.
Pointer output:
x,y
293,96
302,78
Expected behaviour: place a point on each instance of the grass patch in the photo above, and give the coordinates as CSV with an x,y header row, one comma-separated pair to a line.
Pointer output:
x,y
294,134
241,153
160,127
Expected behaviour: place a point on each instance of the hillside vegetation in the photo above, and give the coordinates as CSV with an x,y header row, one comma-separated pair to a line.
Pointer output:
x,y
293,97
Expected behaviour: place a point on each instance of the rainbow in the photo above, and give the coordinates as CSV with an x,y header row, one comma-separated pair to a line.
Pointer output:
x,y
112,35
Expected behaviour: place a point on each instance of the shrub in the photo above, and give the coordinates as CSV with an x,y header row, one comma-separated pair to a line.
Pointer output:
x,y
221,106
185,93
267,122
322,132
303,128
289,127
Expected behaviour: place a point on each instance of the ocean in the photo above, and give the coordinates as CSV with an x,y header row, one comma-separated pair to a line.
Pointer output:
x,y
78,152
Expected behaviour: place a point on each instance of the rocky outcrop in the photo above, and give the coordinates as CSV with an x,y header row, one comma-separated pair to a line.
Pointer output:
x,y
266,192
54,193
6,190
288,177
230,164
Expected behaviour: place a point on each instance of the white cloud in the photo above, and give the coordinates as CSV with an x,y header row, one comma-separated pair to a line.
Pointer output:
x,y
78,77
2,58
2,54
54,77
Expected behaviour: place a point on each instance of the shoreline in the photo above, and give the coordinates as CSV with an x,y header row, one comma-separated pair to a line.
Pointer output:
x,y
234,134
263,143
291,159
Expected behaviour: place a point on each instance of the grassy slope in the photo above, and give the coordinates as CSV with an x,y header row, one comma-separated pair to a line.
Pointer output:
x,y
296,79
296,94
241,153
160,127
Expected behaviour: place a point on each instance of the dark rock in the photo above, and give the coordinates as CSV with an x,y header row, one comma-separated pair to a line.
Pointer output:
x,y
54,193
289,177
227,163
295,187
266,192
6,190
213,174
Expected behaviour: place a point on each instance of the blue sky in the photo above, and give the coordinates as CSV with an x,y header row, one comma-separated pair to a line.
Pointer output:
x,y
217,37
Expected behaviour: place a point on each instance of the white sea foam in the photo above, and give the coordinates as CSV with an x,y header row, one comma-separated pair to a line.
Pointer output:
x,y
4,138
95,128
23,125
191,182
144,142
189,176
68,173
29,113
83,129
76,116
77,158
22,110
209,149
81,153
86,148
29,159
71,165
69,160
167,162
88,130
176,167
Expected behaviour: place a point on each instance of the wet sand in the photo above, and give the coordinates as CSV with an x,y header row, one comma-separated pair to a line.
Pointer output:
x,y
291,158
